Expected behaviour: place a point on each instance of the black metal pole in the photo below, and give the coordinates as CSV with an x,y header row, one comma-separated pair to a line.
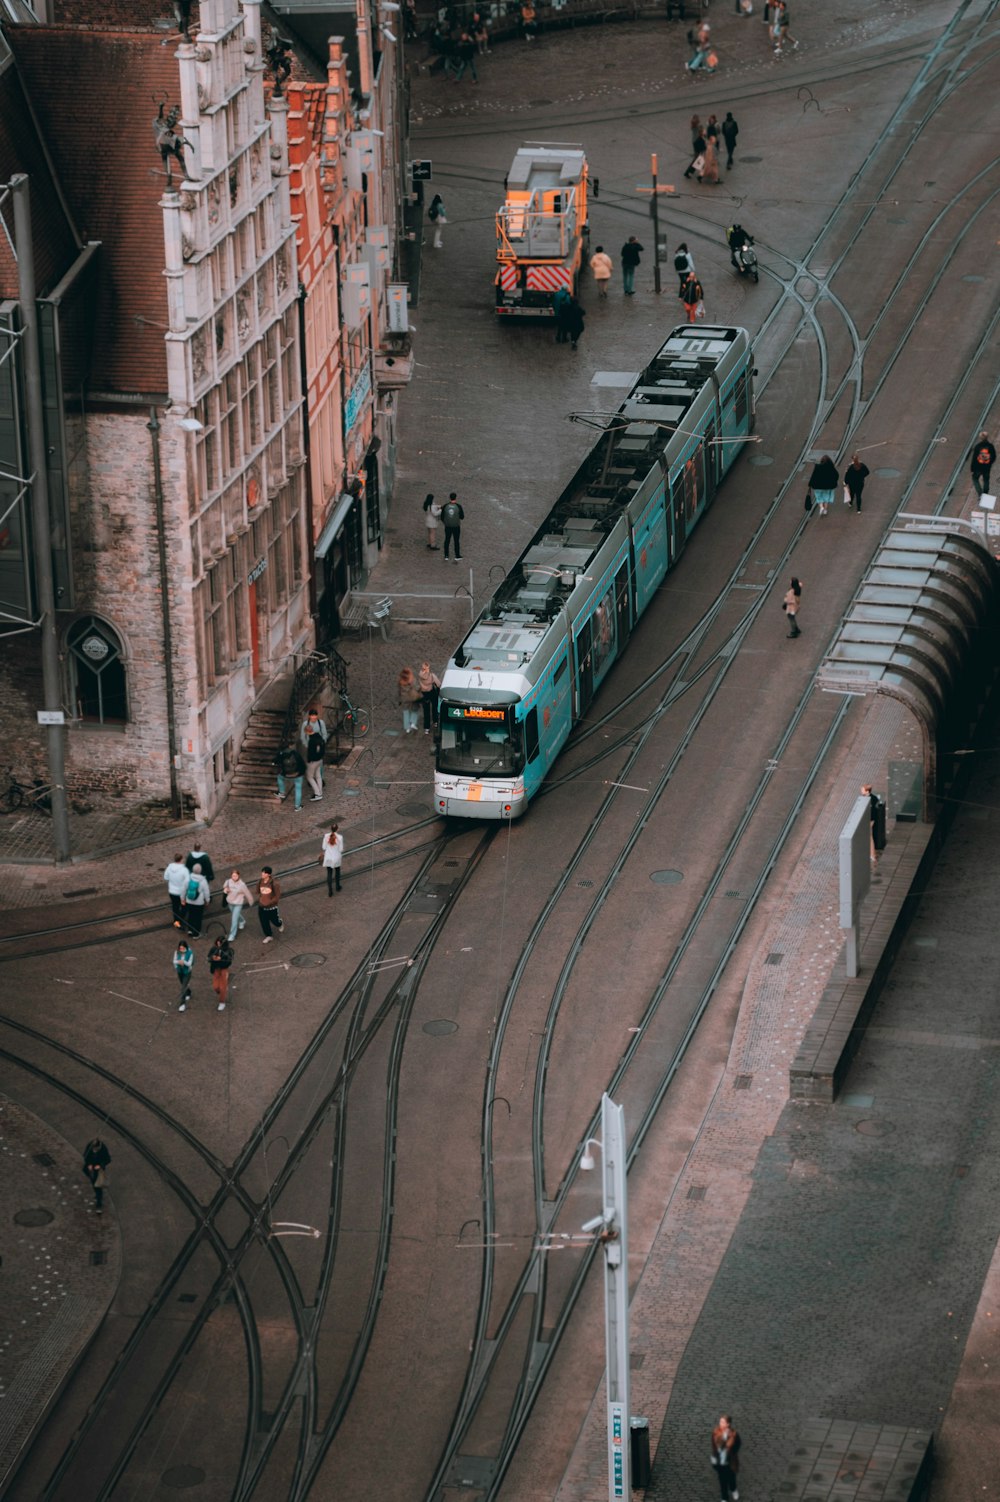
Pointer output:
x,y
41,531
656,229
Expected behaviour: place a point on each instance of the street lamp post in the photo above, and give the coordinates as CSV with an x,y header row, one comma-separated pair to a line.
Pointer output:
x,y
613,1226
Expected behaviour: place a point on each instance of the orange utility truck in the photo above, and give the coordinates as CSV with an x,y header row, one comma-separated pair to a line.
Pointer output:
x,y
542,229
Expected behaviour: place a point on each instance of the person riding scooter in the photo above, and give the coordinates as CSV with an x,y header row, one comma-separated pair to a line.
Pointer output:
x,y
741,251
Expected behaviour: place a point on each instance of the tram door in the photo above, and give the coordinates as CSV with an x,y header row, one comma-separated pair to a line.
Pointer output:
x,y
584,669
622,605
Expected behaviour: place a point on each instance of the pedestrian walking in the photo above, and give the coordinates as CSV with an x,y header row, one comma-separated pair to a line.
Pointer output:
x,y
692,295
292,768
220,957
876,821
198,857
268,898
96,1161
196,899
697,134
561,299
683,265
183,965
602,267
823,483
574,321
790,605
409,698
710,170
466,52
430,688
529,21
631,254
712,129
855,476
176,877
725,1458
238,896
453,516
438,217
479,28
730,130
332,856
697,162
432,514
315,739
982,459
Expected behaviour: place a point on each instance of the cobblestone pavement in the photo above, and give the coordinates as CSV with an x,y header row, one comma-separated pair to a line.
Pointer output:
x,y
60,1270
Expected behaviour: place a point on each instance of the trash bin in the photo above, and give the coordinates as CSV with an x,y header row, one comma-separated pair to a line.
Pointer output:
x,y
638,1434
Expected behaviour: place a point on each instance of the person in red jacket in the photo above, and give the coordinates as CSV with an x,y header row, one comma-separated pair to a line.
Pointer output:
x,y
725,1458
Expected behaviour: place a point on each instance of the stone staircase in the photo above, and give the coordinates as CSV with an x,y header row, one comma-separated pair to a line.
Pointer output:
x,y
255,774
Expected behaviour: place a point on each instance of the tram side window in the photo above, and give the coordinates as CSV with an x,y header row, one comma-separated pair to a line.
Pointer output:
x,y
531,734
740,402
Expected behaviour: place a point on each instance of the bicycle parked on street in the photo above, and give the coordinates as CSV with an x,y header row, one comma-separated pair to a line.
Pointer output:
x,y
17,794
352,717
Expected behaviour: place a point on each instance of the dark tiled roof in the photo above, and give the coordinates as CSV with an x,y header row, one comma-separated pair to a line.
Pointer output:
x,y
55,244
94,93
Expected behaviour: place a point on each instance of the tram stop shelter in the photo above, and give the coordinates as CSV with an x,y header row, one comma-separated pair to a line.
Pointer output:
x,y
922,630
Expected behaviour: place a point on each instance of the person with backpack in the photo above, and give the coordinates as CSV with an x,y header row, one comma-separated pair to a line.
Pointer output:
x,y
220,957
453,516
199,857
196,899
290,765
437,216
313,733
692,295
983,457
183,965
683,265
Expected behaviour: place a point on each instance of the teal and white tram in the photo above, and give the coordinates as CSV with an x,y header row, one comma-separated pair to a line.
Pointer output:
x,y
530,666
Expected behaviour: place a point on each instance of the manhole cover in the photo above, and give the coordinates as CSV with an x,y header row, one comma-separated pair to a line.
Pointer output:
x,y
761,461
179,1477
751,158
887,474
973,278
666,878
440,1027
37,1217
413,810
308,961
875,1128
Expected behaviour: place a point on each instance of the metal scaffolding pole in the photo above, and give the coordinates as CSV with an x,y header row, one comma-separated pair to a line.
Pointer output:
x,y
41,539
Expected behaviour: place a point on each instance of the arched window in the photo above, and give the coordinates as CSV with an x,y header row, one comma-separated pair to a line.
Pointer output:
x,y
97,672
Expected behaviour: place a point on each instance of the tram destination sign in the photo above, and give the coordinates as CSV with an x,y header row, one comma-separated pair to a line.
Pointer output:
x,y
473,712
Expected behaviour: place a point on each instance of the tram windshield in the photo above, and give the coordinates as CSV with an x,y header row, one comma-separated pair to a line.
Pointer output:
x,y
475,739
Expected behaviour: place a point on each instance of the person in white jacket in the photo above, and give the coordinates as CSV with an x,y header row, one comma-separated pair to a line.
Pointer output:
x,y
238,896
176,878
333,854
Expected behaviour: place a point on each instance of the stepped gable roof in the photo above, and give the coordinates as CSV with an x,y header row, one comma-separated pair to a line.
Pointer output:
x,y
22,150
95,95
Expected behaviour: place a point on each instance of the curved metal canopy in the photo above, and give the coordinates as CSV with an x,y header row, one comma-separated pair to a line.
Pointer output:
x,y
917,626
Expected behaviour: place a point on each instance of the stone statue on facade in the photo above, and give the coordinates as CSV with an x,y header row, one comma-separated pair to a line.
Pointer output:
x,y
278,60
169,141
